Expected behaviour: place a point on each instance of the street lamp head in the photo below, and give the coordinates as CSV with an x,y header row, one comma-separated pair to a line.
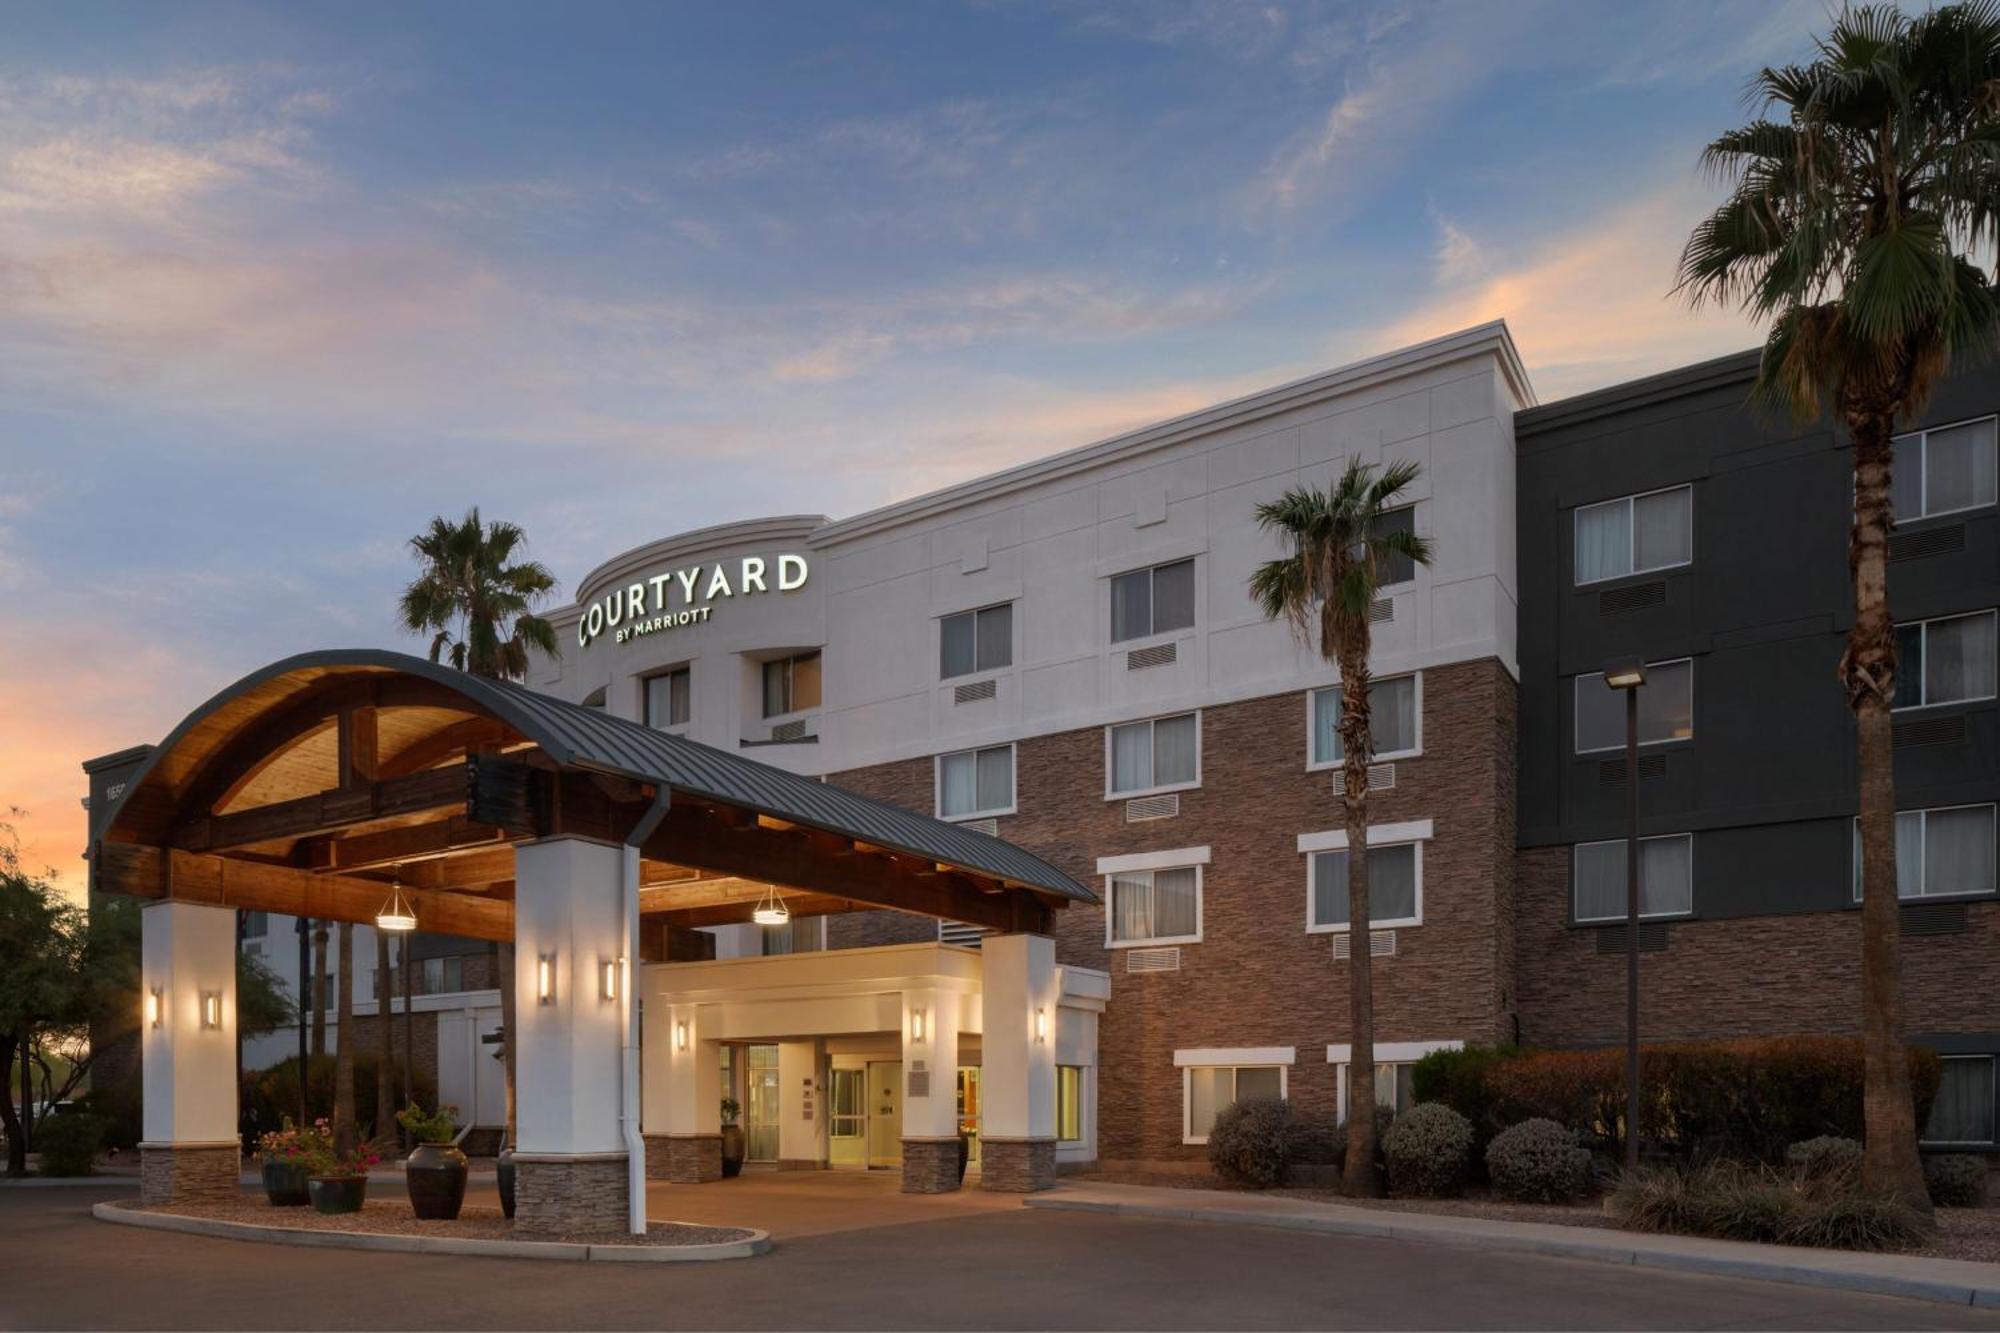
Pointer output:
x,y
1626,673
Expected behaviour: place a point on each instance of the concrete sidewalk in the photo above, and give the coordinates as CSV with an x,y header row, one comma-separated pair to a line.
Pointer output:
x,y
1953,1281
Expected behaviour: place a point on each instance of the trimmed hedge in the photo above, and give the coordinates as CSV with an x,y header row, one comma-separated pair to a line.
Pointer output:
x,y
1250,1142
68,1143
1538,1161
1954,1179
1428,1149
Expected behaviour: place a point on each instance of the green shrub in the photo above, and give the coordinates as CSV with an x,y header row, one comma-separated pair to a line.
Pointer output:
x,y
1460,1079
1538,1161
1428,1150
69,1142
1314,1140
1823,1157
1736,1201
1249,1142
1955,1180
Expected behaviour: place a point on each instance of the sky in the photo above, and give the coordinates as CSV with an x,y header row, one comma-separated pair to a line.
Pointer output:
x,y
279,283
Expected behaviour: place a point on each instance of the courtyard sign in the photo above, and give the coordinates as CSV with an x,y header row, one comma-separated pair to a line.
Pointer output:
x,y
684,596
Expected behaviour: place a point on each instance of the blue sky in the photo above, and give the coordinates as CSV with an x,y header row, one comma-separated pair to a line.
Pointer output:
x,y
279,283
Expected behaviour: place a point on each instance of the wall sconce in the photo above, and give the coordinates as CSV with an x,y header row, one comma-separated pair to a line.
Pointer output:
x,y
545,979
1041,1024
681,1035
916,1025
156,1007
610,967
211,1010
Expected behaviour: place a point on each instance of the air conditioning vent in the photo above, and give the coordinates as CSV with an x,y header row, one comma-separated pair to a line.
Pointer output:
x,y
1381,777
1152,960
1382,610
1617,601
789,731
1930,731
960,934
1160,654
989,826
1381,944
1611,772
1152,807
973,693
1934,918
1652,938
1931,541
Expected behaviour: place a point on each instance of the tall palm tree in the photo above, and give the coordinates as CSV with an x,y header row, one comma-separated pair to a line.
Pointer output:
x,y
1858,201
1337,546
477,607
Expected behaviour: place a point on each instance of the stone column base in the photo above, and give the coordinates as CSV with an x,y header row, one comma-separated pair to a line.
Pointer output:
x,y
694,1159
560,1194
1017,1166
190,1172
659,1154
930,1166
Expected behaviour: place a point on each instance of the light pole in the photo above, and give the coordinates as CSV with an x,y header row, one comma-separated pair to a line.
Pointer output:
x,y
1629,677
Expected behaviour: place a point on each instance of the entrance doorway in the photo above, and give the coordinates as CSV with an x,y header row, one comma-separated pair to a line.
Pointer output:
x,y
847,1116
760,1104
885,1118
968,1111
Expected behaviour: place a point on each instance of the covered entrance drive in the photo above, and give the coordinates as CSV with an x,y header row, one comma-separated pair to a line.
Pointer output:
x,y
328,784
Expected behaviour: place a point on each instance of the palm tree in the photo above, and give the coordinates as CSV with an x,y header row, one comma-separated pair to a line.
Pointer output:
x,y
475,604
1856,198
1337,547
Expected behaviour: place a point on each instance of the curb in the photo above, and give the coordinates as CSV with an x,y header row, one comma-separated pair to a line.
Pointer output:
x,y
1985,1295
69,1182
758,1242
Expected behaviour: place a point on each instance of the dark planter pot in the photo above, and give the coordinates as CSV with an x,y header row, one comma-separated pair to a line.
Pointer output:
x,y
338,1194
504,1171
285,1184
964,1156
732,1151
435,1174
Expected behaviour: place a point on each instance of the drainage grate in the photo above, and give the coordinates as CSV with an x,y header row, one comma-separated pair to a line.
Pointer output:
x,y
1617,601
973,693
1382,611
1152,807
1160,654
1931,541
1930,731
1152,960
1652,938
1934,919
1381,944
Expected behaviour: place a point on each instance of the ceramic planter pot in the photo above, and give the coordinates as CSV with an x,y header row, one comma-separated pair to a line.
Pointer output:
x,y
435,1174
338,1194
285,1183
504,1172
732,1151
964,1155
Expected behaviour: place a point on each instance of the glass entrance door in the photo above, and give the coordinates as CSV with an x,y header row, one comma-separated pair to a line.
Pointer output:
x,y
968,1111
760,1109
847,1117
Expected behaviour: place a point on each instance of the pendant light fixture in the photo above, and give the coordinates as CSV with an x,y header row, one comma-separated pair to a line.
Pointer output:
x,y
396,916
771,909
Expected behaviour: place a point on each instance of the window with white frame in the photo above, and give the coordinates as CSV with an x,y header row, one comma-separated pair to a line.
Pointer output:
x,y
1941,853
1635,534
1949,660
1157,754
1395,887
1944,470
791,684
669,698
1666,878
1963,1111
1395,1071
1208,1090
972,784
981,640
1152,601
1666,708
1395,720
1396,568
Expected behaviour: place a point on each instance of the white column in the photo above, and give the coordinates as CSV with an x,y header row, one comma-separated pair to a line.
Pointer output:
x,y
1017,1080
930,1059
693,1096
187,1031
801,1112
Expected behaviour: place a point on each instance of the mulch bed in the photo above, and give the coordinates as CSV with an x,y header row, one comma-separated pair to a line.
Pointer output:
x,y
475,1222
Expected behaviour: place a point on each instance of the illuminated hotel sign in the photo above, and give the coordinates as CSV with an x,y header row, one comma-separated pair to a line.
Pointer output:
x,y
685,596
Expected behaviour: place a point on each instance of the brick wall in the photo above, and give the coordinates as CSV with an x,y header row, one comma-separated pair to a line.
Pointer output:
x,y
1257,978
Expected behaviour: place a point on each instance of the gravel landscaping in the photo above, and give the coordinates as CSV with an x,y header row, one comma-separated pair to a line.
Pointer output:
x,y
474,1223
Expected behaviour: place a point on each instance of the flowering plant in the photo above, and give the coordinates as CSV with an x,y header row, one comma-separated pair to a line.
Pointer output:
x,y
293,1145
329,1162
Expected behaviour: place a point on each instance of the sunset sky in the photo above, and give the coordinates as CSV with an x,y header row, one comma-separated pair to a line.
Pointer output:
x,y
278,284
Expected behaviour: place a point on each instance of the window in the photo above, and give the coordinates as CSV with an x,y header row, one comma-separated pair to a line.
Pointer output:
x,y
1394,720
1666,708
974,783
799,935
1154,907
1152,601
1963,1111
256,925
443,975
1395,887
1946,661
1666,878
1944,470
976,641
1634,535
791,684
668,698
1396,568
1206,1090
1069,1103
1944,853
1155,755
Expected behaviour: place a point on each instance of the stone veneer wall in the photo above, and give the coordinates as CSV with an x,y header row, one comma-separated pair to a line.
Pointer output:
x,y
1017,1166
693,1159
190,1173
930,1166
1258,978
563,1196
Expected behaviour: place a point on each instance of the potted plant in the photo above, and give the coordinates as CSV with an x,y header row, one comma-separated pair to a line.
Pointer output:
x,y
503,1175
337,1181
285,1156
732,1138
436,1169
964,1151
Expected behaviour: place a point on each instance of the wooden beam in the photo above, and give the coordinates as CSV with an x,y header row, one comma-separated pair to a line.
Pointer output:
x,y
169,872
470,736
359,746
391,847
731,914
432,789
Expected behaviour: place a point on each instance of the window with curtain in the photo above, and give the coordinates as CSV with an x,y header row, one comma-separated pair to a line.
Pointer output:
x,y
1963,1111
973,783
1154,906
981,640
1392,720
791,684
1945,661
1666,708
1152,601
1942,853
1945,470
1069,1103
799,935
1155,754
1635,534
668,698
1396,568
1395,1086
1666,878
1393,896
1209,1089
443,975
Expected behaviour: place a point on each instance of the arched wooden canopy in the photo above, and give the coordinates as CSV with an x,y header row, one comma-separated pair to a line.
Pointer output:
x,y
311,786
